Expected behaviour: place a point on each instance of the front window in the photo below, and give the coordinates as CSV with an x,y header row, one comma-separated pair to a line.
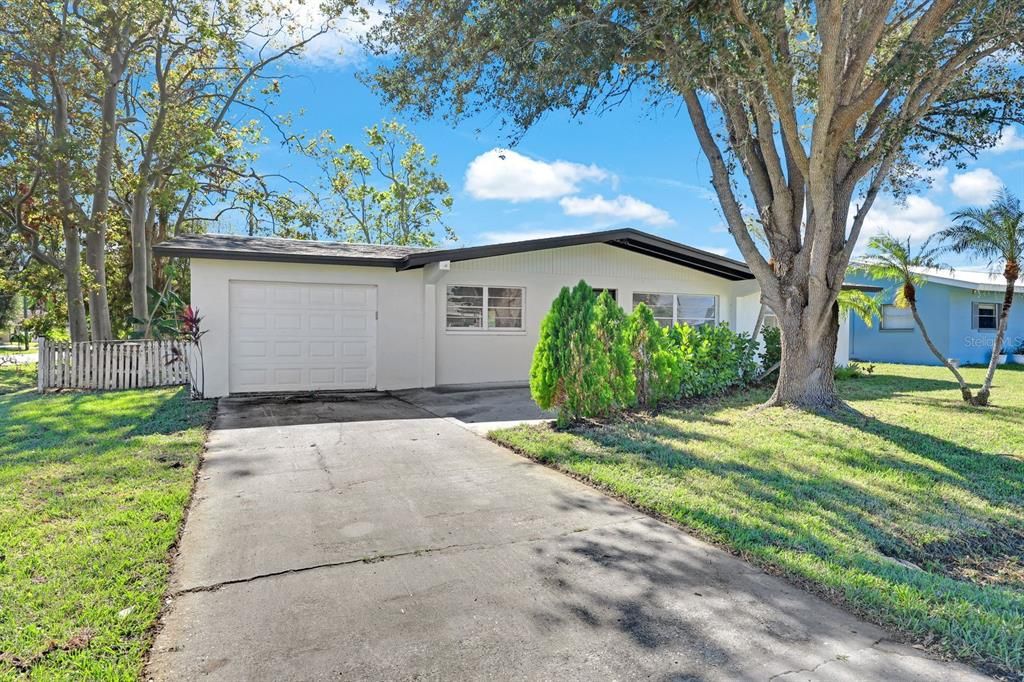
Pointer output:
x,y
986,316
670,309
894,317
484,308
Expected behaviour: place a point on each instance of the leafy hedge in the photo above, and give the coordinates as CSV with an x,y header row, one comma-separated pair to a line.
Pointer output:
x,y
593,360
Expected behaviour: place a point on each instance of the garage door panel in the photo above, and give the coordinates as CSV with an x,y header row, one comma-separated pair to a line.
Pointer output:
x,y
322,349
289,322
290,337
252,349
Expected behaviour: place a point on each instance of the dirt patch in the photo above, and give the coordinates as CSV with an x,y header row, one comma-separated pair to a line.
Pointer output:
x,y
989,556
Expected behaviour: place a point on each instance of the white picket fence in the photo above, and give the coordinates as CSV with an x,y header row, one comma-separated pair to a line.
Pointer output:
x,y
111,365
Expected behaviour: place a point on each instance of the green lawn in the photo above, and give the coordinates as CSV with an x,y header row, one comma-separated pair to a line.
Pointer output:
x,y
93,488
836,504
18,350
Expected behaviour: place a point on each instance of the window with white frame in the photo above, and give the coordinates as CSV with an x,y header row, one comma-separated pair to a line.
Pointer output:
x,y
985,316
484,308
897,318
669,309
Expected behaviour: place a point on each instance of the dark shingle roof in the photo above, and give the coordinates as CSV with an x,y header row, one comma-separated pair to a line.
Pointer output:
x,y
233,247
237,247
275,249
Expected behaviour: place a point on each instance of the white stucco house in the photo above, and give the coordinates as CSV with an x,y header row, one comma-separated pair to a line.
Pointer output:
x,y
292,315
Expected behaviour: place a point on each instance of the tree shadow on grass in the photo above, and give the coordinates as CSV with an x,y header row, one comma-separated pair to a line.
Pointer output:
x,y
858,494
62,426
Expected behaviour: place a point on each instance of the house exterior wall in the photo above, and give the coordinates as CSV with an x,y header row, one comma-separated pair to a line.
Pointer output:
x,y
947,315
400,325
475,356
415,348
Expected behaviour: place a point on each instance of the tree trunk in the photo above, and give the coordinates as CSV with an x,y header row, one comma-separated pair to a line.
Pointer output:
x,y
96,235
73,284
997,345
965,390
140,254
807,371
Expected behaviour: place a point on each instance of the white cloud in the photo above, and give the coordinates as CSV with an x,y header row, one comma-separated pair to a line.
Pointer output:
x,y
938,178
978,186
505,174
522,235
1009,141
918,218
622,207
339,46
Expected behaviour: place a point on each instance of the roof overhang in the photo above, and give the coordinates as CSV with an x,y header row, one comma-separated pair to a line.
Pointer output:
x,y
627,239
214,254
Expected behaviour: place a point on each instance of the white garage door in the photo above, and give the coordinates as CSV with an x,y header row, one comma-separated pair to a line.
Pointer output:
x,y
302,337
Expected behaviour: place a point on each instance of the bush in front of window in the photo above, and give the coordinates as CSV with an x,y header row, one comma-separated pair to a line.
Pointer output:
x,y
712,359
593,360
570,370
610,333
655,365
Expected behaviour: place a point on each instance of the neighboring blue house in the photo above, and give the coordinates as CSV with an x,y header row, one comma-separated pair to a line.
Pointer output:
x,y
960,310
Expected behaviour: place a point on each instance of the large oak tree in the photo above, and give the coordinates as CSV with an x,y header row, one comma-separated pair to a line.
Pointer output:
x,y
805,110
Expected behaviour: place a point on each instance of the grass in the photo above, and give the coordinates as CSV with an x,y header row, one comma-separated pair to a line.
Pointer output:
x,y
93,488
911,515
18,350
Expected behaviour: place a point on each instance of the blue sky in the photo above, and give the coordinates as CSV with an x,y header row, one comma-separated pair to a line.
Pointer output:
x,y
629,167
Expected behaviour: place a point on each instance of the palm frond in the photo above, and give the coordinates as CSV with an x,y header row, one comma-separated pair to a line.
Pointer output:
x,y
866,307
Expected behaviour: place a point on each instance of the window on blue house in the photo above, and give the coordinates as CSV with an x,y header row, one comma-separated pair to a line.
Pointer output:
x,y
894,317
985,316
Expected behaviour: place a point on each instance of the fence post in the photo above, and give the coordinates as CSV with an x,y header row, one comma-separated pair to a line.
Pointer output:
x,y
41,364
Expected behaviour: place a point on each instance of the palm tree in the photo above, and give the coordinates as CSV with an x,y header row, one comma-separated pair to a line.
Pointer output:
x,y
889,258
995,233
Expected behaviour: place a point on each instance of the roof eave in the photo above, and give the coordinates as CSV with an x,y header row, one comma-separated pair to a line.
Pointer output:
x,y
215,254
628,239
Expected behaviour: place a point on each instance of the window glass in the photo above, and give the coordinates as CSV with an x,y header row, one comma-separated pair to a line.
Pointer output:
x,y
894,317
470,307
660,304
696,310
504,307
465,307
611,292
986,316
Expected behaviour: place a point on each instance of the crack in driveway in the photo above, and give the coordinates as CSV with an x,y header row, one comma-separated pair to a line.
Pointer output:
x,y
376,558
832,659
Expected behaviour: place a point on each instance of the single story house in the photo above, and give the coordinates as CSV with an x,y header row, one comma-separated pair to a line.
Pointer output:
x,y
292,315
960,310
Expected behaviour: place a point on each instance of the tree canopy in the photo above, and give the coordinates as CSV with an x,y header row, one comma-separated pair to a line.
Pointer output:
x,y
801,108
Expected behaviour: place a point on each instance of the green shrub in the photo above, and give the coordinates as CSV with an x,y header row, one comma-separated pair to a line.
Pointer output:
x,y
771,350
593,360
854,370
610,333
712,358
655,364
569,370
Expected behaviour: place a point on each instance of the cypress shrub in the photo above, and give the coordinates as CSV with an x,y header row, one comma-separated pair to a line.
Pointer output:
x,y
610,333
655,366
569,369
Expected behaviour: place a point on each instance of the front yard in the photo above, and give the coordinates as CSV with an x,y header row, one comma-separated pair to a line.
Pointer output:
x,y
912,516
93,488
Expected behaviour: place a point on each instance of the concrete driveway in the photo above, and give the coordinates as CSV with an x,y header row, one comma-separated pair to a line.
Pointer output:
x,y
369,538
